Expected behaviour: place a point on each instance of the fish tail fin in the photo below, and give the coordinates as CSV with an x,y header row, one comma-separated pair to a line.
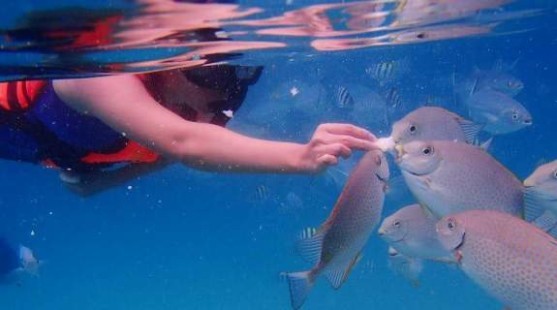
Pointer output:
x,y
300,284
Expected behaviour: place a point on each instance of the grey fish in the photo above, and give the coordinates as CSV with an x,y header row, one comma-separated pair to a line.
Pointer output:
x,y
411,231
335,247
511,259
450,177
500,113
408,267
434,123
498,79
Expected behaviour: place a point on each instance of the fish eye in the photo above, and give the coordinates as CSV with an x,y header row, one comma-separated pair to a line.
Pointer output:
x,y
396,224
515,116
451,224
412,129
378,160
555,174
428,150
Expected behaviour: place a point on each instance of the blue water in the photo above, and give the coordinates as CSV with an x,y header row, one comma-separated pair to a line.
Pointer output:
x,y
184,239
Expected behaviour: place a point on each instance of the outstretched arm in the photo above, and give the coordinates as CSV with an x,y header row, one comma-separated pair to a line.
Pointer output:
x,y
123,103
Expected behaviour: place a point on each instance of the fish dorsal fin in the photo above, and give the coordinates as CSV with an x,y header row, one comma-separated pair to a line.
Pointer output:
x,y
309,244
486,144
338,276
428,213
469,128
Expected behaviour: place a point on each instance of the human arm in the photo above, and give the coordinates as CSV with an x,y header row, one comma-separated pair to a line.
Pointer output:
x,y
123,103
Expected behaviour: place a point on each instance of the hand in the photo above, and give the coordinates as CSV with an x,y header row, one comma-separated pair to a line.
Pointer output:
x,y
330,141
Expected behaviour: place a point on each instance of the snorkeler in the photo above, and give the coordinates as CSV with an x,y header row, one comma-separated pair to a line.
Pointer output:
x,y
102,131
14,261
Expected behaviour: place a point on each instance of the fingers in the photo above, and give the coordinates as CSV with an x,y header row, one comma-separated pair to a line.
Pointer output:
x,y
331,141
338,149
348,130
326,160
355,143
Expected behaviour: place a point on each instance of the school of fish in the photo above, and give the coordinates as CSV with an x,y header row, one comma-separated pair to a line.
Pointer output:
x,y
470,210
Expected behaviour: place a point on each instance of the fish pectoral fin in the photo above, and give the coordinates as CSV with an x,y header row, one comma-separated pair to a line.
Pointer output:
x,y
532,208
470,129
547,221
338,276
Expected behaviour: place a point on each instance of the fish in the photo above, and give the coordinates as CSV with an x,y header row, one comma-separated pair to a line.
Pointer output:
x,y
29,263
434,123
336,246
540,197
511,259
387,71
392,96
497,79
411,232
307,233
343,99
260,195
449,177
498,112
408,267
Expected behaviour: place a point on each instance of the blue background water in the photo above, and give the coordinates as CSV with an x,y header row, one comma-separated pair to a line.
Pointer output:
x,y
182,239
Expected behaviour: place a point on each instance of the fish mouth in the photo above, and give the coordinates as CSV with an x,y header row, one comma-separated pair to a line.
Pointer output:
x,y
399,152
413,173
458,250
527,122
393,252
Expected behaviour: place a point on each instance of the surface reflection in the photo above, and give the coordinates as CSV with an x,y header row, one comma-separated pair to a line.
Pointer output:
x,y
157,35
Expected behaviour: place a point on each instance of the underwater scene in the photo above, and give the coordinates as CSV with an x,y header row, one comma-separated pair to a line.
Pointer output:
x,y
296,154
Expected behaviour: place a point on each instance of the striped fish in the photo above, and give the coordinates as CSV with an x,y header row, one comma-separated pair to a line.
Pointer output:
x,y
335,247
386,71
343,99
393,98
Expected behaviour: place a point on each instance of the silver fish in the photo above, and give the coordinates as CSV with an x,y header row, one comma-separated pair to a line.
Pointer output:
x,y
511,259
434,123
540,197
500,113
408,267
450,177
411,231
335,247
498,78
